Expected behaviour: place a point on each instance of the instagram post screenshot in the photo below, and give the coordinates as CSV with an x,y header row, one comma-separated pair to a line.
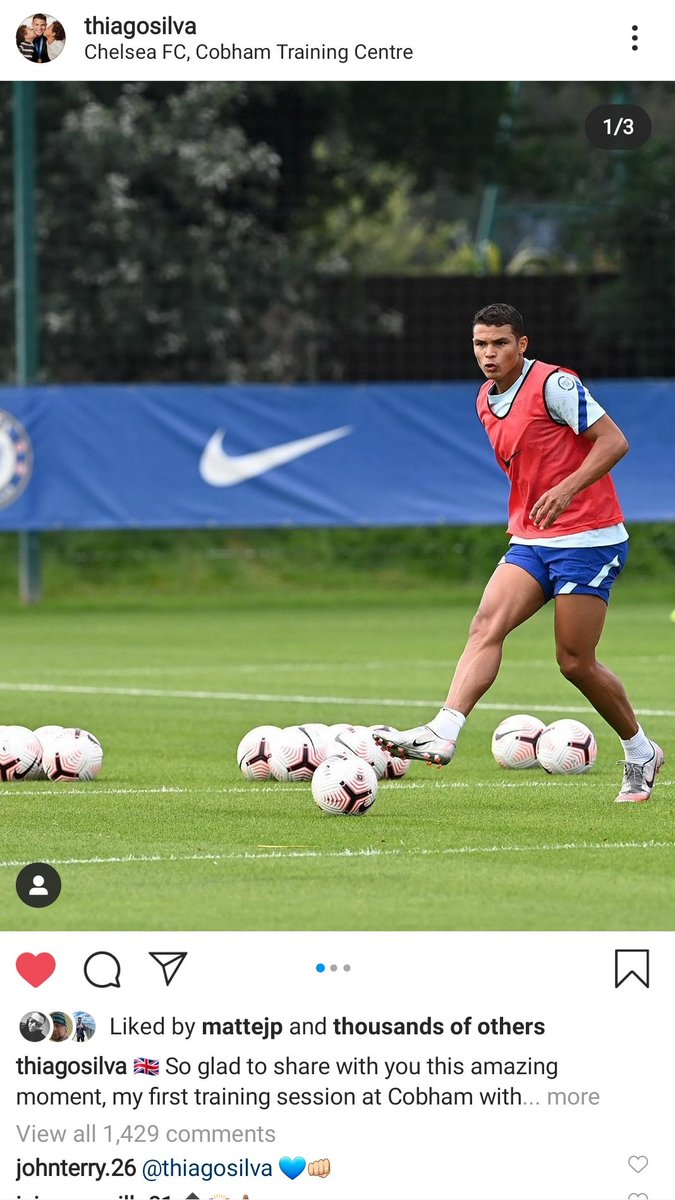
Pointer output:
x,y
337,569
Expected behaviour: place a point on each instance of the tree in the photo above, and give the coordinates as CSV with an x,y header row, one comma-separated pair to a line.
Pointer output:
x,y
634,313
158,260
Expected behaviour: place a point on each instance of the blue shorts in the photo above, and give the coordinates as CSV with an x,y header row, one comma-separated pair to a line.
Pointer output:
x,y
574,571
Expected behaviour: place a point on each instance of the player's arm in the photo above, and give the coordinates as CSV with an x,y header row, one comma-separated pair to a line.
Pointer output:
x,y
609,447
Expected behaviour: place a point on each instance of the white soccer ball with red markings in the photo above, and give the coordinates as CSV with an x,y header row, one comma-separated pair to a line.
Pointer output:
x,y
339,727
357,739
73,755
254,753
45,735
345,785
394,768
319,734
514,742
295,753
567,748
20,754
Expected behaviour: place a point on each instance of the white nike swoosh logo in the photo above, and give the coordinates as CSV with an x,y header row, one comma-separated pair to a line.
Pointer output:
x,y
221,469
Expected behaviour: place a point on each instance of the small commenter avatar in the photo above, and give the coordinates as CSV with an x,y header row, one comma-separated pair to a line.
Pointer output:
x,y
320,1168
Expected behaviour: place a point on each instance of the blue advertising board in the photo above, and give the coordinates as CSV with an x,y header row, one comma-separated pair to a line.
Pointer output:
x,y
189,456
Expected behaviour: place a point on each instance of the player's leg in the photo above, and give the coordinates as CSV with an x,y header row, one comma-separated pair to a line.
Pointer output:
x,y
579,621
512,596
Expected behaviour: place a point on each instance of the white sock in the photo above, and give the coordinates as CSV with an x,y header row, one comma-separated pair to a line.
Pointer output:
x,y
638,749
448,724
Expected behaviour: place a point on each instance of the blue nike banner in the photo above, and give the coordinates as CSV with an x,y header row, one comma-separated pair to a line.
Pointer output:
x,y
111,457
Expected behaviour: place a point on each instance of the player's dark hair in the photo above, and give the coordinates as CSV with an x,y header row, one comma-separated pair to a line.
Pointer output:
x,y
39,16
501,314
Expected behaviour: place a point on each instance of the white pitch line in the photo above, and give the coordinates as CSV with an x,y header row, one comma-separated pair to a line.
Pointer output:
x,y
344,664
249,668
391,786
366,852
275,698
16,789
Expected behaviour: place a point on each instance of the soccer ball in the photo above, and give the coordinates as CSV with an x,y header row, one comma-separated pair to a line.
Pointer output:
x,y
394,768
344,785
567,748
20,754
45,735
318,733
295,754
514,742
357,739
253,751
339,727
72,755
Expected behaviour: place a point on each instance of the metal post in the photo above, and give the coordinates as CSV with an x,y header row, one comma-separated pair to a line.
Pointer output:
x,y
26,304
487,217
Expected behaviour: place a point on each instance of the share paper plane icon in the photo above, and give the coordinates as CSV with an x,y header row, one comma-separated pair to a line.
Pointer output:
x,y
170,961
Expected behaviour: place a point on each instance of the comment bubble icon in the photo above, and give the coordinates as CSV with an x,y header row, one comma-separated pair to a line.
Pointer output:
x,y
102,969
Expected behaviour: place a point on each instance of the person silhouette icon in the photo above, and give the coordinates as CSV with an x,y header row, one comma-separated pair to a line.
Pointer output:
x,y
38,884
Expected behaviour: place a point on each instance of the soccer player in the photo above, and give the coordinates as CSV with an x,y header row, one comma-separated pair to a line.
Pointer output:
x,y
568,543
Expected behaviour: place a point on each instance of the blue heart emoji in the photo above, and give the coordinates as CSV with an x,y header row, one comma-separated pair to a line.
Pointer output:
x,y
292,1166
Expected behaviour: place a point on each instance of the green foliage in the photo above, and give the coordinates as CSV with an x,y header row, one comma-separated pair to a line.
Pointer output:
x,y
441,561
388,228
639,229
183,227
158,257
436,130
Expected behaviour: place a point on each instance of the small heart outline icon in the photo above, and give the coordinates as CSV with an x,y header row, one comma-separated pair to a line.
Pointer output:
x,y
638,1162
35,968
292,1167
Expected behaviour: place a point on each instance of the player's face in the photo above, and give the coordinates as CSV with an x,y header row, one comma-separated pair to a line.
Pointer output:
x,y
39,27
499,353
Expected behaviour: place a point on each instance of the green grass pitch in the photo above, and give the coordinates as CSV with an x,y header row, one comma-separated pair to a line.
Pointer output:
x,y
172,837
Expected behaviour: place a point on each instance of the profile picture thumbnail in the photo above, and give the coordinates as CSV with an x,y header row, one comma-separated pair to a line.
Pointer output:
x,y
35,1026
85,1026
40,38
62,1026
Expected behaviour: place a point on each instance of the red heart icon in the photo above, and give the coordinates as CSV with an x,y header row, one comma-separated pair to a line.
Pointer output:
x,y
35,968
